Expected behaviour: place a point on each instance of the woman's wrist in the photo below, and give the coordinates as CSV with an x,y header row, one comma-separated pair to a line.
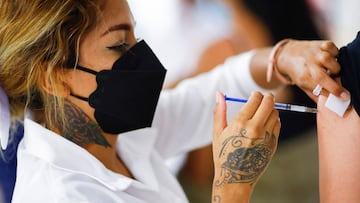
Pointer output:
x,y
258,69
227,191
272,63
239,193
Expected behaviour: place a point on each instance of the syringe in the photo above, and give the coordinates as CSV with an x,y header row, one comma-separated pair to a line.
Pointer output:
x,y
280,106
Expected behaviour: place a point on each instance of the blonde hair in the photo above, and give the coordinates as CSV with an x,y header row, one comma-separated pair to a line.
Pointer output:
x,y
39,39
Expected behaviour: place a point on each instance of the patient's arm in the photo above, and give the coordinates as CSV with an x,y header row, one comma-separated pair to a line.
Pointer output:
x,y
339,155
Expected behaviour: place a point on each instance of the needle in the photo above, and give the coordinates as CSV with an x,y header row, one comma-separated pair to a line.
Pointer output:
x,y
280,106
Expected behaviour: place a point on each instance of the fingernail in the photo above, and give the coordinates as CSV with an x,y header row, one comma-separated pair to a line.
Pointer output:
x,y
218,97
344,95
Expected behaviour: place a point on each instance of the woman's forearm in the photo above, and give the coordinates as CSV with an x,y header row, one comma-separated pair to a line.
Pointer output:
x,y
258,69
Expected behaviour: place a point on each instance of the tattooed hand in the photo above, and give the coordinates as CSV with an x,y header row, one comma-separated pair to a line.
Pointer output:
x,y
243,148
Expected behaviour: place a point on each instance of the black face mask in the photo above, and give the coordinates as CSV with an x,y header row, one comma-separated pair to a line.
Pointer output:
x,y
127,95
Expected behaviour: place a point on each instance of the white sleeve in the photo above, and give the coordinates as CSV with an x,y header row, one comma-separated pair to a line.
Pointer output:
x,y
184,115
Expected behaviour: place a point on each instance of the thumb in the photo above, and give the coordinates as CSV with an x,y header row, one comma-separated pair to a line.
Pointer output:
x,y
219,121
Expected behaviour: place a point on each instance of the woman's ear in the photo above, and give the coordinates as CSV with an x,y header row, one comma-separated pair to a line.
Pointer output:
x,y
54,82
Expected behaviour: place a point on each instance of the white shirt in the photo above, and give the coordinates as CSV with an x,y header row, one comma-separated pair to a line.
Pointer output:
x,y
53,169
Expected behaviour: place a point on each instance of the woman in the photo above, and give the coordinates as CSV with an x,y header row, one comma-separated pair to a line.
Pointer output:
x,y
78,72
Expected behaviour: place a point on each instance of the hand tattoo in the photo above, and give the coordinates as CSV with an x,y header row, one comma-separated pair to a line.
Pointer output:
x,y
216,199
81,129
245,158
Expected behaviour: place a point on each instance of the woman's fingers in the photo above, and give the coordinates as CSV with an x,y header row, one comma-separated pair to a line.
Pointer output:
x,y
250,108
329,46
265,109
329,63
328,84
272,121
277,127
327,68
312,63
219,115
258,115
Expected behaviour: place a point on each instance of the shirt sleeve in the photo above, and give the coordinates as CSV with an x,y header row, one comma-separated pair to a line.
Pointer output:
x,y
184,115
349,60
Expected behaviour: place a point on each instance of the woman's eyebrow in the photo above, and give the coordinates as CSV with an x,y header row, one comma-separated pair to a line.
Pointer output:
x,y
118,27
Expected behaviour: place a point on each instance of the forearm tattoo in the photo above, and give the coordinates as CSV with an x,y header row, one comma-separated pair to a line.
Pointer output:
x,y
81,129
245,158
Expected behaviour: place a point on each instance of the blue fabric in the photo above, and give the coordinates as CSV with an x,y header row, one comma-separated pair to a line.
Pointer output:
x,y
349,59
8,165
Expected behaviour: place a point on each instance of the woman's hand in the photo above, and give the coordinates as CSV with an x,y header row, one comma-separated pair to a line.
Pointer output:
x,y
312,63
242,149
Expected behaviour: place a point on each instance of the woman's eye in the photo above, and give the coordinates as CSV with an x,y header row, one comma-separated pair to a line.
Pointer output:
x,y
122,48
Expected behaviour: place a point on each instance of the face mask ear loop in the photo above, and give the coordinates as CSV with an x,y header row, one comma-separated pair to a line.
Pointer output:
x,y
79,97
86,70
4,119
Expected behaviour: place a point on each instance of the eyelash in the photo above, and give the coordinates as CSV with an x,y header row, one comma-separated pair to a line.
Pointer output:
x,y
122,48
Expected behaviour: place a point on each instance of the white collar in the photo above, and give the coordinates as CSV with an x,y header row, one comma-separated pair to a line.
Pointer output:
x,y
5,119
136,148
50,146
